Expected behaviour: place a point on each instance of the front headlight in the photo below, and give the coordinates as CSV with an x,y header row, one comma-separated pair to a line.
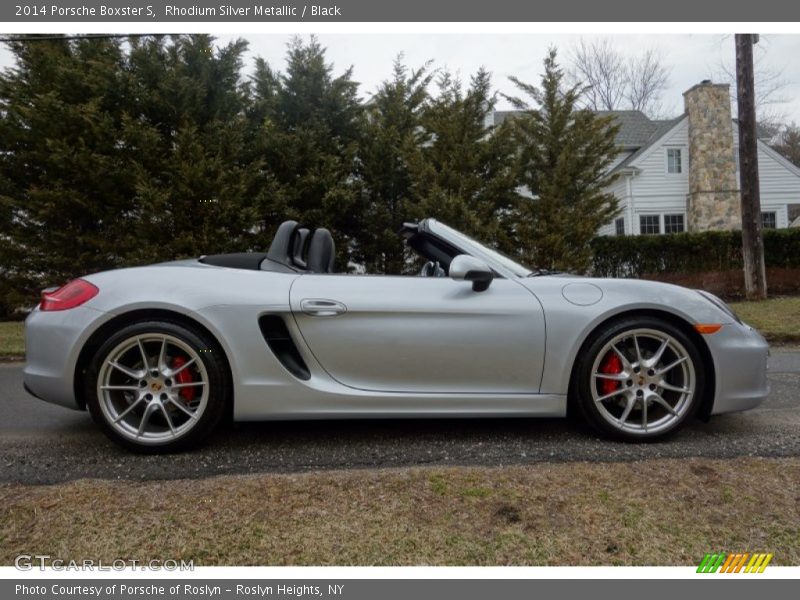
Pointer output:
x,y
720,304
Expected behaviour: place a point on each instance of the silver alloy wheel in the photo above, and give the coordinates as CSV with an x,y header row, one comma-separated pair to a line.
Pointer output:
x,y
140,388
653,385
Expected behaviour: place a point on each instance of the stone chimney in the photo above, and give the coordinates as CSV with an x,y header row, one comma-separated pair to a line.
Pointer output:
x,y
713,201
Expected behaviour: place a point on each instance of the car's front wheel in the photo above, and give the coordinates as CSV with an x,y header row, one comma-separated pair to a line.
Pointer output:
x,y
157,386
639,379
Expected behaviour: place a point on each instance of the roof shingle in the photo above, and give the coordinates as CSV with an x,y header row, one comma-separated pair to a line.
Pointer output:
x,y
635,128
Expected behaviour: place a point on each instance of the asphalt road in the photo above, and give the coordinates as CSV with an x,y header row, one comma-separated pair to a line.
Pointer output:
x,y
43,443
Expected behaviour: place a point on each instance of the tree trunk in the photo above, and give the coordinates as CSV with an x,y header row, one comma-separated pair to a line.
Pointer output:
x,y
755,279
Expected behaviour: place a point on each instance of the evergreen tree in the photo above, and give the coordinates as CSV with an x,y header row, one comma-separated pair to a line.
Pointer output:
x,y
110,158
466,176
309,125
186,137
262,106
65,195
390,151
565,157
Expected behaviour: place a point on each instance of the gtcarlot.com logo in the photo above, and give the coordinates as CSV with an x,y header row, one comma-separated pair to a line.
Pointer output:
x,y
738,562
28,562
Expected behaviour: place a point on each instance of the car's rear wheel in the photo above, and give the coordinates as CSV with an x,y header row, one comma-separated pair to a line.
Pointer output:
x,y
639,379
157,386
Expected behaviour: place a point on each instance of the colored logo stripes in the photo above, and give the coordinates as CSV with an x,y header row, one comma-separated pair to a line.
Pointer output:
x,y
743,562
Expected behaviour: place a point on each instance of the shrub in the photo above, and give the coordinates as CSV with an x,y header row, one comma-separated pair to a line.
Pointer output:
x,y
688,253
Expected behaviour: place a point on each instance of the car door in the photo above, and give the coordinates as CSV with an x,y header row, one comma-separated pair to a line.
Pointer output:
x,y
422,334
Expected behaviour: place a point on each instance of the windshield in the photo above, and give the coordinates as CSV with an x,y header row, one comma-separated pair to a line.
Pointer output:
x,y
469,244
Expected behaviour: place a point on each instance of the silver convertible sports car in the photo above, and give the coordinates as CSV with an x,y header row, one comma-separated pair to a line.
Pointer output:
x,y
159,354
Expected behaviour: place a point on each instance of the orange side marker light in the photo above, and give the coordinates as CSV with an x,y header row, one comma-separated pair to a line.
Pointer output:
x,y
707,328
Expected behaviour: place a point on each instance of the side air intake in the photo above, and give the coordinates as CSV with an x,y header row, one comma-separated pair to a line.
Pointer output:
x,y
280,341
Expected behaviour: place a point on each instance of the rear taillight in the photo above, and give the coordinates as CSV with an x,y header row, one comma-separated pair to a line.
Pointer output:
x,y
73,294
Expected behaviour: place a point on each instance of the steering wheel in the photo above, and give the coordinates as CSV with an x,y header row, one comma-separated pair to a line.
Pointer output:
x,y
432,269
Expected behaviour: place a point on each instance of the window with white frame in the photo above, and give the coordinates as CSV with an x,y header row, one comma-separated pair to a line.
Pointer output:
x,y
674,224
649,224
674,161
769,220
619,226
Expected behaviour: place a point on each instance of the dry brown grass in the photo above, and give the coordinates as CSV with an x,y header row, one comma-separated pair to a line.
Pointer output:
x,y
657,512
778,319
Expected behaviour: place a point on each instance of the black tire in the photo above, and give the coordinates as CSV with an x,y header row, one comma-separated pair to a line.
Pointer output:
x,y
216,369
599,416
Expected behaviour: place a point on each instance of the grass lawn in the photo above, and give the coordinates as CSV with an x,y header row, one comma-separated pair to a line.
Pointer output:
x,y
654,512
12,341
778,319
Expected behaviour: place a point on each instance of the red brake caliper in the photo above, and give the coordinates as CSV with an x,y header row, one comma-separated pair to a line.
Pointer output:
x,y
611,365
184,376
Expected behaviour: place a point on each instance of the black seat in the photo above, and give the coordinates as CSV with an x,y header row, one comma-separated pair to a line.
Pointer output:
x,y
292,248
321,252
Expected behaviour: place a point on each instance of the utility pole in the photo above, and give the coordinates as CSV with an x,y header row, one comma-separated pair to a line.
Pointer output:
x,y
755,278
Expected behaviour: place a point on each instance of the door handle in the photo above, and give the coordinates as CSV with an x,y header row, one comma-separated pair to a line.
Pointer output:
x,y
321,307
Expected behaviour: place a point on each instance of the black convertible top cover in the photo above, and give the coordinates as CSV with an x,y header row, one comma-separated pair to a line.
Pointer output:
x,y
237,260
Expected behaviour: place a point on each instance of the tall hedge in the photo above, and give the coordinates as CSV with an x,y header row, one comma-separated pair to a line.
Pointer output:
x,y
637,256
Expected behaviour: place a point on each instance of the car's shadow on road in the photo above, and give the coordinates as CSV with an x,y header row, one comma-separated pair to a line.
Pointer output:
x,y
409,441
79,450
380,431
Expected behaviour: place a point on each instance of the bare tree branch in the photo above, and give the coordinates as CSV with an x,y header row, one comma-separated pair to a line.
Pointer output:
x,y
614,81
646,78
600,68
770,84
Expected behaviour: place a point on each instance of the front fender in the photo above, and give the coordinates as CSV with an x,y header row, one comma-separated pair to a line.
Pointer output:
x,y
569,324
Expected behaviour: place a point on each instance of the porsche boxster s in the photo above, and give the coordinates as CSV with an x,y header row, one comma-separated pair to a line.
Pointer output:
x,y
159,354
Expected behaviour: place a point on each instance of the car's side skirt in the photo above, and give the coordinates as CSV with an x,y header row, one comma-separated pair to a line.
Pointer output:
x,y
280,402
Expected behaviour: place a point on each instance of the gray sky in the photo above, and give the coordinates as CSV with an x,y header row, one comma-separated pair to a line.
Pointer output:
x,y
691,58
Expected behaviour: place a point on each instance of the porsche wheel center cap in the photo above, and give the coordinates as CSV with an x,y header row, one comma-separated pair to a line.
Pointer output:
x,y
156,386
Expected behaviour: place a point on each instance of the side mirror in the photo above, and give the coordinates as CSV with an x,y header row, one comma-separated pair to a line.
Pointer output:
x,y
468,268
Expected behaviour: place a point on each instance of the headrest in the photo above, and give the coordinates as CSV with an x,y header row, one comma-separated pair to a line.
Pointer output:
x,y
321,252
282,246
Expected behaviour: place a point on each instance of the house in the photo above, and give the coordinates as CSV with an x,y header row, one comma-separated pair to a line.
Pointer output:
x,y
682,174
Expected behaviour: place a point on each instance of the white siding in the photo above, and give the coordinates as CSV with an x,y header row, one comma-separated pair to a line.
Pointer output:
x,y
619,189
655,191
779,182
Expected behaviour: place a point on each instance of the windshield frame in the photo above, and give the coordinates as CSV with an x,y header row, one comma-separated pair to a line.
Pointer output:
x,y
468,245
